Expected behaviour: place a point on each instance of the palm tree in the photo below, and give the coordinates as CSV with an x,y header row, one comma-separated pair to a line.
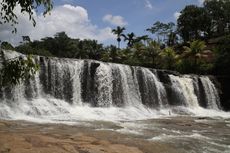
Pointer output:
x,y
139,53
195,59
130,38
155,29
118,31
195,54
143,38
169,57
153,50
195,50
172,38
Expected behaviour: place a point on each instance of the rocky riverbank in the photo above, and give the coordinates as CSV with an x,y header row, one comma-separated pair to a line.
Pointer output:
x,y
26,137
16,137
162,135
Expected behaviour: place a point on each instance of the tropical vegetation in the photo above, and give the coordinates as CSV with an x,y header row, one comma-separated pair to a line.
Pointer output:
x,y
198,43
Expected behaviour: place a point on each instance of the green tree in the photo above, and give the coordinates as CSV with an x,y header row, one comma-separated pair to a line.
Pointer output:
x,y
118,32
156,29
7,46
143,39
169,58
93,49
219,12
130,37
195,49
223,56
153,51
161,30
139,52
172,38
193,23
61,44
8,8
112,52
195,59
26,39
14,70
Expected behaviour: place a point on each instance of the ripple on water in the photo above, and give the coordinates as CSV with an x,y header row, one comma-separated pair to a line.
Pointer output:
x,y
165,137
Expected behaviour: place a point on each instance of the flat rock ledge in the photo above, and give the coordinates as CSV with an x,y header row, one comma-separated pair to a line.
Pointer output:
x,y
15,138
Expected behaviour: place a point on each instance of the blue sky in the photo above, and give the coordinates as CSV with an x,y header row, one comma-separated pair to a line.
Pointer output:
x,y
94,19
139,14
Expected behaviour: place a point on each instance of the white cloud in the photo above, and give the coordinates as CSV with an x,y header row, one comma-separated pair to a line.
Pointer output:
x,y
148,4
176,15
115,20
73,20
201,2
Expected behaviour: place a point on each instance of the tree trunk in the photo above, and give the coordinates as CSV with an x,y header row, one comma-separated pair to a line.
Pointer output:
x,y
153,62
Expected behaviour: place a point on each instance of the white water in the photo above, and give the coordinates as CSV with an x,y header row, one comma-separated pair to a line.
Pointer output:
x,y
104,85
185,89
131,95
211,93
76,73
54,110
160,90
63,80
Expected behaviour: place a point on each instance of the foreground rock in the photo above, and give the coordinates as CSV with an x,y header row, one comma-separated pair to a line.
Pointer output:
x,y
24,138
162,135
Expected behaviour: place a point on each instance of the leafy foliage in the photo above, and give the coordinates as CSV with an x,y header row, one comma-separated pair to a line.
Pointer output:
x,y
169,58
193,58
161,30
8,8
222,63
211,20
16,70
7,46
193,23
62,45
219,13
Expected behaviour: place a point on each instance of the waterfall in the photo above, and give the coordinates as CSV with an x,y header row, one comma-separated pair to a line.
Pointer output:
x,y
104,85
211,93
131,95
152,90
61,86
75,77
184,90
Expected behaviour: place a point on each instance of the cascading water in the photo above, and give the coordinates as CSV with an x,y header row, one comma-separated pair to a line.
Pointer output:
x,y
211,94
185,90
103,81
131,95
181,111
66,86
153,90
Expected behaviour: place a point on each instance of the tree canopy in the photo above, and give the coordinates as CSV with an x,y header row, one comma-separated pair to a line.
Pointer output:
x,y
8,8
210,20
219,12
193,23
17,69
